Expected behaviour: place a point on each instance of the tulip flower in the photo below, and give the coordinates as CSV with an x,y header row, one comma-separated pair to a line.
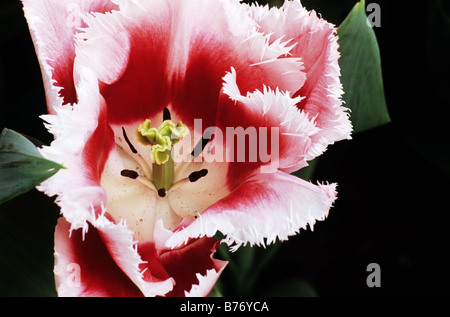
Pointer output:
x,y
176,120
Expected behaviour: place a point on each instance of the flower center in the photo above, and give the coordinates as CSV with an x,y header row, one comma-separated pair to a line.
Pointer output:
x,y
145,183
162,140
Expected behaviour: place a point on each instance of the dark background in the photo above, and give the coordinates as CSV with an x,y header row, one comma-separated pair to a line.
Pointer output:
x,y
392,206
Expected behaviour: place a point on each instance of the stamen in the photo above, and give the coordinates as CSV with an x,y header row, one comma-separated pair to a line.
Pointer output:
x,y
201,144
132,148
166,114
195,176
140,160
147,183
134,175
178,184
129,173
162,192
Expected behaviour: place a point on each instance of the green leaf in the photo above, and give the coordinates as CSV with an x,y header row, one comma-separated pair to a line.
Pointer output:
x,y
361,71
307,172
22,167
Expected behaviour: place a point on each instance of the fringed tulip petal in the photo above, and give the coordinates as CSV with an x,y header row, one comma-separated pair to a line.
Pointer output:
x,y
258,211
53,25
316,43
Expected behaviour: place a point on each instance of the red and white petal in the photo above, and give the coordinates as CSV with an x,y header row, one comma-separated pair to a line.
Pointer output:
x,y
134,45
53,24
192,266
101,262
221,38
205,284
82,143
284,132
120,243
158,56
79,261
263,208
316,44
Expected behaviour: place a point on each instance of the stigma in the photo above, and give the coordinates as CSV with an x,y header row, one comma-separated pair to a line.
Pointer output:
x,y
162,140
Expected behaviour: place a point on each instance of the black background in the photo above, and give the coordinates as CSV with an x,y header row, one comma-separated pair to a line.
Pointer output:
x,y
392,206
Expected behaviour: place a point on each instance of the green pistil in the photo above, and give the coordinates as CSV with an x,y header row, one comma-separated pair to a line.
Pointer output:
x,y
162,140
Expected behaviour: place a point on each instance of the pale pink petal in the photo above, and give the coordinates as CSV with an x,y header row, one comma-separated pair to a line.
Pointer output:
x,y
53,24
262,209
